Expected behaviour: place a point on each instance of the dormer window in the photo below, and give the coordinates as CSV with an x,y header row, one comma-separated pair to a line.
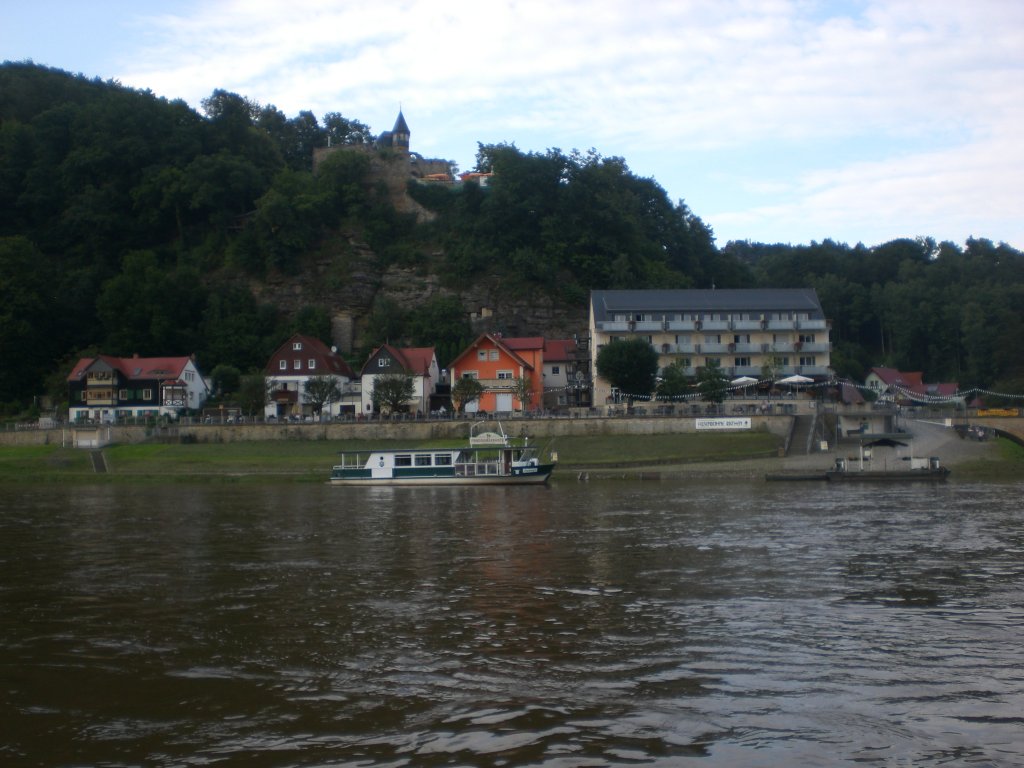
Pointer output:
x,y
297,345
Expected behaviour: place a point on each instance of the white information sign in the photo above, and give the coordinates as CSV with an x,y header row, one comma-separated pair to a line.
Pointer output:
x,y
723,423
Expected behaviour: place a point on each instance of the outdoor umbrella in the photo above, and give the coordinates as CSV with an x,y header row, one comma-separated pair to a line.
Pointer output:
x,y
796,378
743,381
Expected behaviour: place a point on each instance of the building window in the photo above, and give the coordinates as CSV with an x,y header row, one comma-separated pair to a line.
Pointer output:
x,y
742,362
311,363
383,362
122,395
554,370
492,355
283,365
296,345
297,365
504,374
470,375
712,338
147,394
808,360
481,354
807,338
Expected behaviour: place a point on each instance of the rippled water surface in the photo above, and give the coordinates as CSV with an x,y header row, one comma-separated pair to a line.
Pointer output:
x,y
584,624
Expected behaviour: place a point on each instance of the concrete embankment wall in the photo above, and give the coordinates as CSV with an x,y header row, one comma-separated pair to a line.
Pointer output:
x,y
425,430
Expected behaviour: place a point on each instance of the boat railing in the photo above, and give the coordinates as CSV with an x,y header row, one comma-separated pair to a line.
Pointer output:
x,y
477,469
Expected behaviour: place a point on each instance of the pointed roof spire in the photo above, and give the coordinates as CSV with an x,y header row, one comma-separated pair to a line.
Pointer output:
x,y
400,125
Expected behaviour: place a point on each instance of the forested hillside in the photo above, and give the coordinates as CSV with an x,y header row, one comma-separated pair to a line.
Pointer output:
x,y
133,224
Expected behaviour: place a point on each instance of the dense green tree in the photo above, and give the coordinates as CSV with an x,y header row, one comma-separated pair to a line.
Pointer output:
x,y
149,309
673,382
321,391
236,330
712,382
253,394
392,392
629,365
442,323
465,391
29,318
340,130
225,380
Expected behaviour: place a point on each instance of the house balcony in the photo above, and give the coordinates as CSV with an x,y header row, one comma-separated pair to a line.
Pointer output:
x,y
613,326
747,325
647,325
813,325
681,325
497,384
746,348
712,349
716,325
676,349
815,346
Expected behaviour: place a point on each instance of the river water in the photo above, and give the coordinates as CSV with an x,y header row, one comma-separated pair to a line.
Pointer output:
x,y
603,623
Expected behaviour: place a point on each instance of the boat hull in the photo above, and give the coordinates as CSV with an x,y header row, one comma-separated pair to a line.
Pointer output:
x,y
912,475
535,475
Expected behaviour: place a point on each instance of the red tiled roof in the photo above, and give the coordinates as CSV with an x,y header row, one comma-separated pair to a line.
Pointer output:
x,y
525,342
502,344
559,350
416,360
327,360
159,368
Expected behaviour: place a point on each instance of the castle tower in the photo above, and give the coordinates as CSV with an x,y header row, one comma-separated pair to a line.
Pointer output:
x,y
400,133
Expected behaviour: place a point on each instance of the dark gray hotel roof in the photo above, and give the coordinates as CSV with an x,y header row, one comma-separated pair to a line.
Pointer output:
x,y
607,303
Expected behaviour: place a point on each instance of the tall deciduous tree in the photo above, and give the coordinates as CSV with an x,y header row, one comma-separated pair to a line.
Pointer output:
x,y
673,384
522,389
321,391
629,365
253,394
464,392
712,382
392,392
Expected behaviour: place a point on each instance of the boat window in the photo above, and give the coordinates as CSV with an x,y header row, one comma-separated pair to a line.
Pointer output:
x,y
443,459
403,460
423,460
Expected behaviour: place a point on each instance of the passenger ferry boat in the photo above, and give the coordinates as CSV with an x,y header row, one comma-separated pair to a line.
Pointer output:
x,y
489,459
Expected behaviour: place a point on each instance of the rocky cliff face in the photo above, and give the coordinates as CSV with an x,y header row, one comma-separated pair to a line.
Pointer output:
x,y
344,278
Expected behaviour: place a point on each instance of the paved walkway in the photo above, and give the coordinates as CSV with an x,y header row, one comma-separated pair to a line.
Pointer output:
x,y
929,439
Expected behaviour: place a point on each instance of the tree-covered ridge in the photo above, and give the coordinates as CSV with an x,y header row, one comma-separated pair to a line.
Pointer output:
x,y
134,224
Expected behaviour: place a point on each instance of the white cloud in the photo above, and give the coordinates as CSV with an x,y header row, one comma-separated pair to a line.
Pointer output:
x,y
941,78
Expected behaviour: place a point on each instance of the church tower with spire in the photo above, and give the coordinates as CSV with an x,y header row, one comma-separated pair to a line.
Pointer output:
x,y
400,133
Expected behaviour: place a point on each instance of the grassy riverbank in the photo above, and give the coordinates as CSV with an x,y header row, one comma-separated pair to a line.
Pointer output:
x,y
299,461
310,461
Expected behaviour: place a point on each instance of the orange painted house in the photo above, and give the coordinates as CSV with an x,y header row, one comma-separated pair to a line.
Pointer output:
x,y
497,362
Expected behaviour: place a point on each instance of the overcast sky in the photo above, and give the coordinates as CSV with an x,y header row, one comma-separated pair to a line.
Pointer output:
x,y
774,120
